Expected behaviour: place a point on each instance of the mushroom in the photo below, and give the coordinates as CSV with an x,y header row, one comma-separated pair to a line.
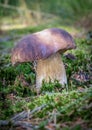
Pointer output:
x,y
45,47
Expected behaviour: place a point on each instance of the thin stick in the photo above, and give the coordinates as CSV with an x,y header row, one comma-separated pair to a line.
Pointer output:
x,y
19,117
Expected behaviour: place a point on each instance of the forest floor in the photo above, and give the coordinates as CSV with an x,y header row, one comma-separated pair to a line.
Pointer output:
x,y
55,108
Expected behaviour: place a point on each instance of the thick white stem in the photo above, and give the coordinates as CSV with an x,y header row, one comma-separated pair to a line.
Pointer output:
x,y
52,69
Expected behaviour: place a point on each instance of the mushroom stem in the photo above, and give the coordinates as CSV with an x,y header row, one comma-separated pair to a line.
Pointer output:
x,y
52,69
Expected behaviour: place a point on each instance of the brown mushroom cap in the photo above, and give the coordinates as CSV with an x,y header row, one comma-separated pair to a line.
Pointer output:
x,y
41,45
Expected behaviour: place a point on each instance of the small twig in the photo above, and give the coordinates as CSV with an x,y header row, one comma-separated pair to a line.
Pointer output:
x,y
25,114
19,116
17,119
53,117
4,122
25,124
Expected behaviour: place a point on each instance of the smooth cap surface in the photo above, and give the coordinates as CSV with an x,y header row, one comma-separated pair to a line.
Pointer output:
x,y
41,45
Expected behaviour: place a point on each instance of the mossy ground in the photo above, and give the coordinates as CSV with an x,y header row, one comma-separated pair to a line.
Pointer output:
x,y
66,109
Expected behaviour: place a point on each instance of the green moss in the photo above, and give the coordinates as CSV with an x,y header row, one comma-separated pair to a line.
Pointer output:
x,y
17,88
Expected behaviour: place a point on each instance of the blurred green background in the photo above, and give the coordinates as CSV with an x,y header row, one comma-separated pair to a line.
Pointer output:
x,y
48,13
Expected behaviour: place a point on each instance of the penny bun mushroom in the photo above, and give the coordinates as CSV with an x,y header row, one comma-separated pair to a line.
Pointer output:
x,y
45,47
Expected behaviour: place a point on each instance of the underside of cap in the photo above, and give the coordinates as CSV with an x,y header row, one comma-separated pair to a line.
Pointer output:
x,y
41,45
